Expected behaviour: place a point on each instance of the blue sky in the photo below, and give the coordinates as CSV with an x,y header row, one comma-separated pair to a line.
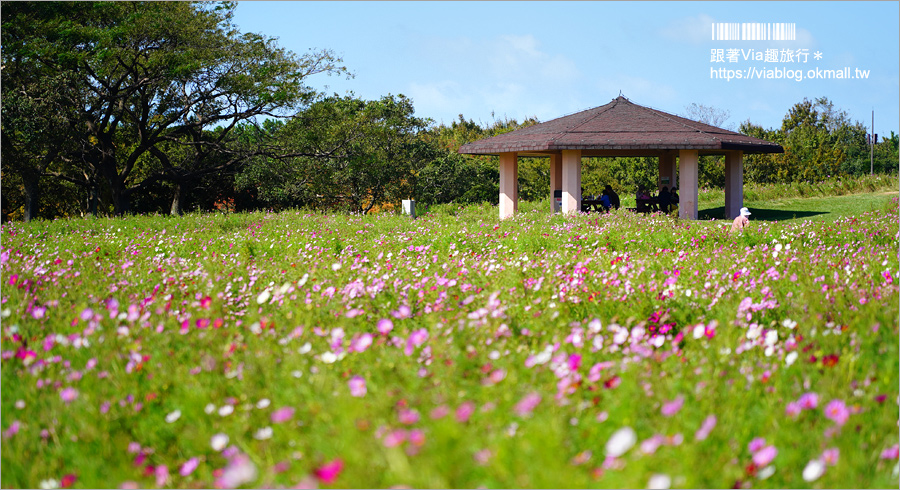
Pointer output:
x,y
490,60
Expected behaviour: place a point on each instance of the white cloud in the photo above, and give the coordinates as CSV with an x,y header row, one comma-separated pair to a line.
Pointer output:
x,y
510,75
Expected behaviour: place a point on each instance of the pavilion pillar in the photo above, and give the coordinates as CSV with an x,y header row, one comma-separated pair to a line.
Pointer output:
x,y
509,184
571,181
687,190
667,171
555,180
734,183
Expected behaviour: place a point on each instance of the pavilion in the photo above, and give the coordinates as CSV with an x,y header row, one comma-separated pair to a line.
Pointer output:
x,y
622,129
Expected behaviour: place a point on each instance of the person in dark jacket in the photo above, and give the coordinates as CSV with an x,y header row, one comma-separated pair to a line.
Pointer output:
x,y
665,199
613,197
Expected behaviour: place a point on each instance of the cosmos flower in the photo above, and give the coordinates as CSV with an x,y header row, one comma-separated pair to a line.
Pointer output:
x,y
357,386
837,411
620,442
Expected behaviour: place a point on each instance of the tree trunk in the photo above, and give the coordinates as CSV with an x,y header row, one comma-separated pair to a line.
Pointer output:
x,y
32,196
93,199
121,199
178,199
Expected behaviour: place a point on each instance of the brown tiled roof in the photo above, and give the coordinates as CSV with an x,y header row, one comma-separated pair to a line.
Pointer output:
x,y
619,125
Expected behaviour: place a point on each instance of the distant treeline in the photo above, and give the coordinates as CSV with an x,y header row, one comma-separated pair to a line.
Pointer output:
x,y
111,108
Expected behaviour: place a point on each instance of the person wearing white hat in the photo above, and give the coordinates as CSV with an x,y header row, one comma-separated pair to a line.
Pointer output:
x,y
741,221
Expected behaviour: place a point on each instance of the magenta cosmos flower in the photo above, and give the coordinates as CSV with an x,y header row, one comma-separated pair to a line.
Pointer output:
x,y
357,386
837,412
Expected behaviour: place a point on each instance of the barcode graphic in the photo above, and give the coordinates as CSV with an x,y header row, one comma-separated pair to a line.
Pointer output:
x,y
754,31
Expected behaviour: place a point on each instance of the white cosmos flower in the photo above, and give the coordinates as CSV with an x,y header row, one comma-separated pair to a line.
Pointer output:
x,y
766,472
699,330
771,337
226,410
263,297
754,332
814,469
790,358
263,403
336,266
218,442
788,323
172,417
263,434
621,442
210,408
304,348
660,482
303,280
49,483
328,357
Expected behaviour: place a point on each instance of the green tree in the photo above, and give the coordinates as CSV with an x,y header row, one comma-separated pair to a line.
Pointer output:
x,y
154,73
343,152
819,140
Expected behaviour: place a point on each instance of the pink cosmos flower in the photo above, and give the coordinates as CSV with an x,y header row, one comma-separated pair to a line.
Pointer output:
x,y
329,472
38,312
837,412
361,343
464,412
357,386
764,456
574,362
483,457
756,444
394,438
408,416
162,475
385,325
68,394
649,446
188,467
417,437
809,401
831,455
282,415
13,429
892,452
439,412
793,409
527,404
672,407
416,338
240,471
705,428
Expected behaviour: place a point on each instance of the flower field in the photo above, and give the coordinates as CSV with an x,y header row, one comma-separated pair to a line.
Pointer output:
x,y
455,350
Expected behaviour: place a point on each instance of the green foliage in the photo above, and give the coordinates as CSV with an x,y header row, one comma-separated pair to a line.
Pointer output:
x,y
345,153
819,141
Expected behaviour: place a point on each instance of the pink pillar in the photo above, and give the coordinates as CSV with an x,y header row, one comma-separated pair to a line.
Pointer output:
x,y
734,183
667,171
687,190
509,184
571,181
555,180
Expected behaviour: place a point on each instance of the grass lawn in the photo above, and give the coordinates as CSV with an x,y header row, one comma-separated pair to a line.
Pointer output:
x,y
816,208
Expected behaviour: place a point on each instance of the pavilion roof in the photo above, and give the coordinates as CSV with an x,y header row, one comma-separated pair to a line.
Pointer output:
x,y
619,125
